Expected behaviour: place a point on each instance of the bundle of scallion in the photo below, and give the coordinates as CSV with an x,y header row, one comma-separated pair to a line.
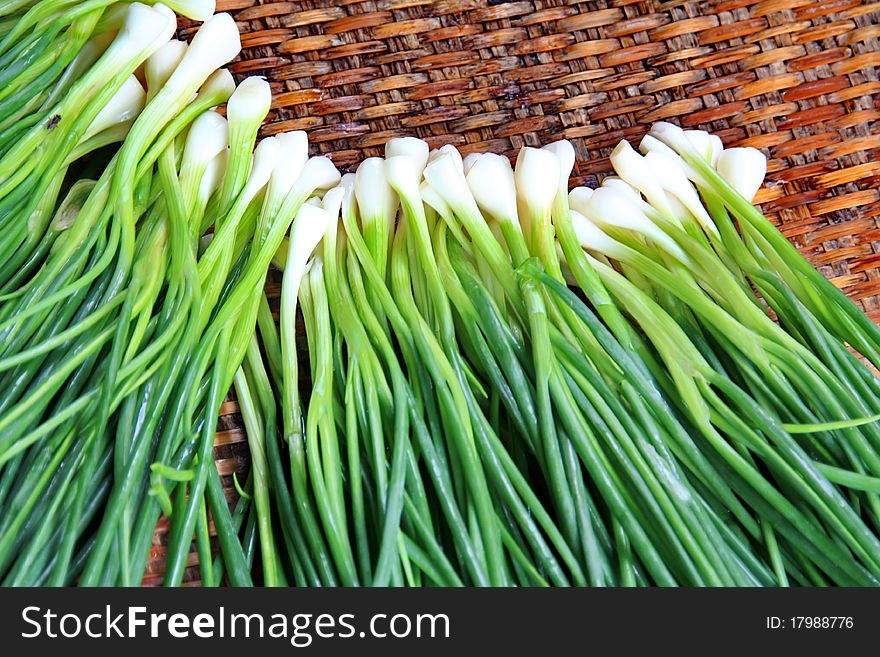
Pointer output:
x,y
787,406
122,327
472,421
500,383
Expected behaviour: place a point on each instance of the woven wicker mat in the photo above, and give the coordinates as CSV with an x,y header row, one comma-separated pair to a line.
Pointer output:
x,y
796,78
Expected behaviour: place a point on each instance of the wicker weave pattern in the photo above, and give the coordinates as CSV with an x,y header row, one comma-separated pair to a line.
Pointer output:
x,y
797,78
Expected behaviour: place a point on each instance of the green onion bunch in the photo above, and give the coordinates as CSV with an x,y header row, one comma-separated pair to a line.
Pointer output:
x,y
784,404
508,384
472,377
134,300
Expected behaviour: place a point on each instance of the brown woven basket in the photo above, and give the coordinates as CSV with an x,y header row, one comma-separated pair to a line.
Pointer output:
x,y
796,78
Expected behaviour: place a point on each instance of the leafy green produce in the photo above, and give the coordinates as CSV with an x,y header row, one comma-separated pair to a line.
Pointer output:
x,y
472,377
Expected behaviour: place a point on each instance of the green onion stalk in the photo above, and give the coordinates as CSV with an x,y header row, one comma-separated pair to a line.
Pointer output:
x,y
505,478
35,162
38,353
572,425
82,383
398,481
829,393
392,539
197,65
145,269
787,378
231,326
435,339
728,184
750,430
396,477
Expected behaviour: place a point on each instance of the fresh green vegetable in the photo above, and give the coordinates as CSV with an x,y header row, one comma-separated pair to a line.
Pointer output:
x,y
476,378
